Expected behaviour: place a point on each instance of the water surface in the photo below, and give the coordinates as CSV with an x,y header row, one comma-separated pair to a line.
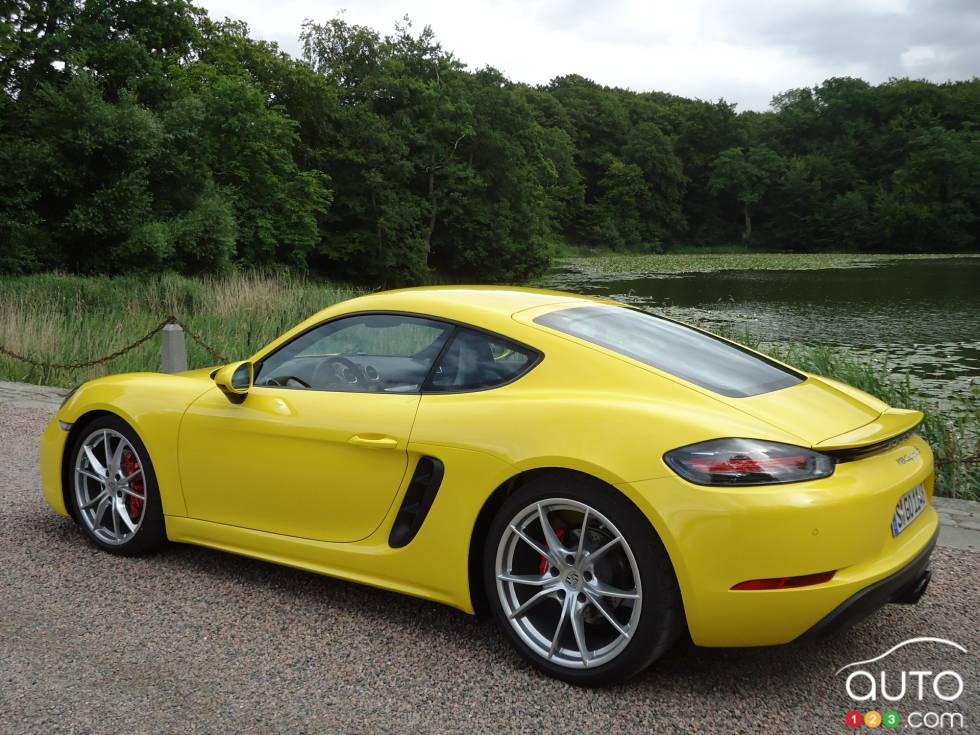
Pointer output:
x,y
920,317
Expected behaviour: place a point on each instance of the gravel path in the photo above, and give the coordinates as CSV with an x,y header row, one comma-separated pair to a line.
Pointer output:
x,y
191,640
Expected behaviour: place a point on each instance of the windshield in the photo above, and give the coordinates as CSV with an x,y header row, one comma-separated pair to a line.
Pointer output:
x,y
679,350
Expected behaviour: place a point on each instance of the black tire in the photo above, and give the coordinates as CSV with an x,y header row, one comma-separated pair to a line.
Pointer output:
x,y
661,616
151,532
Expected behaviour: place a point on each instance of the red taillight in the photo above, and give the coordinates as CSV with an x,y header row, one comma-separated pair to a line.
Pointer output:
x,y
785,583
737,461
739,465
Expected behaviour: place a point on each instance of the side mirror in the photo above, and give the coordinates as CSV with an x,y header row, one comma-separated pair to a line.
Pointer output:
x,y
234,379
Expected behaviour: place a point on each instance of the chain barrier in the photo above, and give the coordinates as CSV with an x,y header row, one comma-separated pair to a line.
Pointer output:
x,y
118,353
194,336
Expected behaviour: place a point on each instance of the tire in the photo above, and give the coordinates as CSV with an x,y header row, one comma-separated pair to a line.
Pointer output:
x,y
580,589
97,504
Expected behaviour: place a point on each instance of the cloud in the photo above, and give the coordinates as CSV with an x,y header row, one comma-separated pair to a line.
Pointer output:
x,y
744,52
936,39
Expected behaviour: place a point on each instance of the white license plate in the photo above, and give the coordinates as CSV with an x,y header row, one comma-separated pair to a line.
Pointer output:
x,y
909,507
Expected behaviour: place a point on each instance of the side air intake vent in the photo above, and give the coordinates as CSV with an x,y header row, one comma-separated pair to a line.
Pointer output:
x,y
418,499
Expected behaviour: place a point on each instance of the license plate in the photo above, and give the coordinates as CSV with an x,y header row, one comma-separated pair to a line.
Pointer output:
x,y
908,509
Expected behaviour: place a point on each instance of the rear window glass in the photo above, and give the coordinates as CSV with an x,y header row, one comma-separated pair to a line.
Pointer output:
x,y
476,361
676,349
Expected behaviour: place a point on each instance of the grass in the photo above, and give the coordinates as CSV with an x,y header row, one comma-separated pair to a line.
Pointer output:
x,y
726,258
64,319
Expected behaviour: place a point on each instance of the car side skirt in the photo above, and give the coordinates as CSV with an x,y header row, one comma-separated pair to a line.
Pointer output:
x,y
352,562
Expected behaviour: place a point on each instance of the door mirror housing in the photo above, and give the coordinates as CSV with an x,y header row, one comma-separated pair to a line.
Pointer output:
x,y
235,379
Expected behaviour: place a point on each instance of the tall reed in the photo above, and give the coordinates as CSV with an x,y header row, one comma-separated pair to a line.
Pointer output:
x,y
57,318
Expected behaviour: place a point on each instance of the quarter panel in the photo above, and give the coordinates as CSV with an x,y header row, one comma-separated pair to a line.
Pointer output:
x,y
585,412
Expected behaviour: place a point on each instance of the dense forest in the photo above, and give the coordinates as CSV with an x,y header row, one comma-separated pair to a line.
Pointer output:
x,y
143,135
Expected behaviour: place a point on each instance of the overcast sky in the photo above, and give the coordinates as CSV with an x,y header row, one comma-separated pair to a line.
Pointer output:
x,y
743,51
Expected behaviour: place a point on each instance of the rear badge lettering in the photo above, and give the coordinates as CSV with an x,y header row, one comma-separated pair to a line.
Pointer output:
x,y
910,457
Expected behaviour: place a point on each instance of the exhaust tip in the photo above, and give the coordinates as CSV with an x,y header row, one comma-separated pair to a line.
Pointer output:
x,y
911,594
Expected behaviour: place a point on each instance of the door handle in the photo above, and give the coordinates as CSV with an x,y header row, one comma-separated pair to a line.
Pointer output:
x,y
376,442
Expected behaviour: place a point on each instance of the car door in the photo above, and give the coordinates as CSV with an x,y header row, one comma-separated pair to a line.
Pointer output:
x,y
318,447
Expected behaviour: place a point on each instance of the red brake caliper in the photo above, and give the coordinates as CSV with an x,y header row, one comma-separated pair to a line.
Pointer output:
x,y
130,465
544,563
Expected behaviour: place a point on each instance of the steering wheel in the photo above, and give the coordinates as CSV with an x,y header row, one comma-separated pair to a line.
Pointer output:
x,y
336,369
284,381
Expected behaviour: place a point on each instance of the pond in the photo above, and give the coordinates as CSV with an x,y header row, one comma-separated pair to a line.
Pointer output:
x,y
920,317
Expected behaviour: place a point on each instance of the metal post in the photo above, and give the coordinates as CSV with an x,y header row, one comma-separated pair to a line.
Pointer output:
x,y
173,350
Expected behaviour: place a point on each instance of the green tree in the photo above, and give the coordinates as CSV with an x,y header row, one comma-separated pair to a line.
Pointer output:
x,y
748,174
96,161
144,135
224,126
435,167
495,210
700,132
616,220
661,206
935,194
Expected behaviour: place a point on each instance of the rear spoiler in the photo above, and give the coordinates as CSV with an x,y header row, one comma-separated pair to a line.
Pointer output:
x,y
892,427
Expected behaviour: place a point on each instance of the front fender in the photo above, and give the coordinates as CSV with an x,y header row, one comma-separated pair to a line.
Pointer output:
x,y
151,403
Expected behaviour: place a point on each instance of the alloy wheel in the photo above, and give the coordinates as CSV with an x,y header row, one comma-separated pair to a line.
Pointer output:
x,y
110,487
568,583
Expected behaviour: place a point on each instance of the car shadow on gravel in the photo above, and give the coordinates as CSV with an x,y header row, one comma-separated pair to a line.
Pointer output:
x,y
302,597
441,625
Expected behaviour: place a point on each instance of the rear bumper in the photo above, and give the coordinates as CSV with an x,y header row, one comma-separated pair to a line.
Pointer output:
x,y
905,586
720,537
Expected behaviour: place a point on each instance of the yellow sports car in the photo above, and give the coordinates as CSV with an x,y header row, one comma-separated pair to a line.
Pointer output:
x,y
601,479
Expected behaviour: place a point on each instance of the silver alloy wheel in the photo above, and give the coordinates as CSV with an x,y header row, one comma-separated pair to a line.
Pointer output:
x,y
568,583
110,487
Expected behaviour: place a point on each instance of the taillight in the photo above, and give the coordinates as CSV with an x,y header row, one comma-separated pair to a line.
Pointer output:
x,y
748,462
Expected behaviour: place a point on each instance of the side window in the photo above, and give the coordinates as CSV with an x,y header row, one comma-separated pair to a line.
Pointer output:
x,y
474,360
376,353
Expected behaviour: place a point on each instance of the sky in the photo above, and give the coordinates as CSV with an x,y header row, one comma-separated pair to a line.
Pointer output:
x,y
744,52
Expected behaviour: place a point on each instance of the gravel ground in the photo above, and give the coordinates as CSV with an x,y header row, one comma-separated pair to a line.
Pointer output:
x,y
190,640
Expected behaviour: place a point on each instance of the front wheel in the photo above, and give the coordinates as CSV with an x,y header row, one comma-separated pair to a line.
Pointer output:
x,y
580,582
113,489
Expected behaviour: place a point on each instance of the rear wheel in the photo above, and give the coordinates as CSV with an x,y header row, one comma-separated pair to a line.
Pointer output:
x,y
113,489
580,582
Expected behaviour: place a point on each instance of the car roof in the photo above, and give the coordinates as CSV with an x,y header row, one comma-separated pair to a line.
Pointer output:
x,y
480,305
487,307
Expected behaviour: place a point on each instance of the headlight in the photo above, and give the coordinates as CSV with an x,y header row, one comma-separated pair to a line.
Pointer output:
x,y
747,462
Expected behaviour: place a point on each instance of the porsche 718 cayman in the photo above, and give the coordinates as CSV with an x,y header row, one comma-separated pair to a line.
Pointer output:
x,y
601,479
